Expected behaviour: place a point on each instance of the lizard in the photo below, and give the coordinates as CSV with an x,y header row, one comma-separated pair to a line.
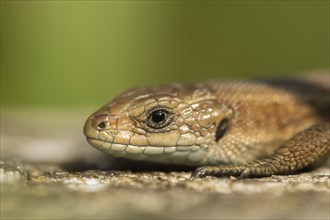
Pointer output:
x,y
240,128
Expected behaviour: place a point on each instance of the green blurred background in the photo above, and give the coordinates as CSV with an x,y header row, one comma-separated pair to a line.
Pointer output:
x,y
78,53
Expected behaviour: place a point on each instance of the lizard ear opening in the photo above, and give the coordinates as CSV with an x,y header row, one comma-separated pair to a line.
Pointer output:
x,y
221,129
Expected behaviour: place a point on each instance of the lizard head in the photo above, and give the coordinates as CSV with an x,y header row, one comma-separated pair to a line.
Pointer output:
x,y
170,124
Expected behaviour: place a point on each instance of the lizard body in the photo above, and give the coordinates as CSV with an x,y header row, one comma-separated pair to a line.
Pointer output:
x,y
239,128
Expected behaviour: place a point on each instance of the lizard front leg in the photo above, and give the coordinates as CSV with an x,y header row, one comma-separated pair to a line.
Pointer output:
x,y
303,150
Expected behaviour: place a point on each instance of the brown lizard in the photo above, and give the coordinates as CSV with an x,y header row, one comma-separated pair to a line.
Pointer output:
x,y
247,128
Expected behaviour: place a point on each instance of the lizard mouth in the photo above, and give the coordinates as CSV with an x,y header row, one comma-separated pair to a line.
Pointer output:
x,y
163,152
191,155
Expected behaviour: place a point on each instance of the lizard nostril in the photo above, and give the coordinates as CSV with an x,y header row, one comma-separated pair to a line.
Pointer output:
x,y
101,126
101,122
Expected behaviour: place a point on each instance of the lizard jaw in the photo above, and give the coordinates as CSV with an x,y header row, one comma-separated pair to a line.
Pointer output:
x,y
184,155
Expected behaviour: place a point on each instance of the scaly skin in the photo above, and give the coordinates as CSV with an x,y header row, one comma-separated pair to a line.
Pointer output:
x,y
230,128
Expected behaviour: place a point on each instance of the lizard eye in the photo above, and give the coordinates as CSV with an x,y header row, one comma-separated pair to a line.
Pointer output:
x,y
159,118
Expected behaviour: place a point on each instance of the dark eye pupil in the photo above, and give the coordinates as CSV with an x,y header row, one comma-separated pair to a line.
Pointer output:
x,y
158,116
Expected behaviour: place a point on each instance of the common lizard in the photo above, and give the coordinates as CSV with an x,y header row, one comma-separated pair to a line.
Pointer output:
x,y
244,128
